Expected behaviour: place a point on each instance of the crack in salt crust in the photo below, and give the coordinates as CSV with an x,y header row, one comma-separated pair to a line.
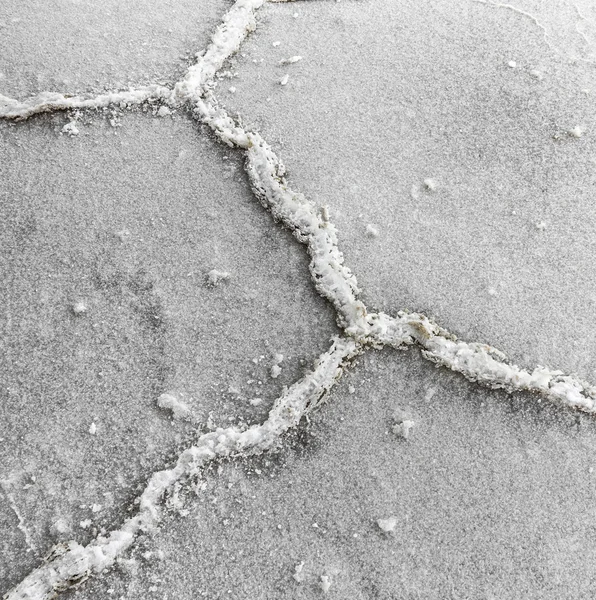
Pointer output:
x,y
69,564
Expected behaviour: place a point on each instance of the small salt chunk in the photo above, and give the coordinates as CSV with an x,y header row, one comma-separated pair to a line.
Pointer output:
x,y
275,44
290,60
256,401
298,574
430,184
351,389
325,583
576,132
214,277
85,524
372,231
232,89
163,111
275,371
512,64
541,225
70,128
79,308
278,358
295,15
93,429
96,508
179,409
402,429
387,525
284,80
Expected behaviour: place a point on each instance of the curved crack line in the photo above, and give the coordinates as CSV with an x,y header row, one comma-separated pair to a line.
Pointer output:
x,y
69,564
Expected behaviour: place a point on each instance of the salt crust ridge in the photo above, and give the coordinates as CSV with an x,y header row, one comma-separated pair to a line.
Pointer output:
x,y
69,564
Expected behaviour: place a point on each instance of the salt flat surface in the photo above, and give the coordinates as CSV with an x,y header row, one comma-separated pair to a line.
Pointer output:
x,y
453,146
129,221
66,45
493,498
501,250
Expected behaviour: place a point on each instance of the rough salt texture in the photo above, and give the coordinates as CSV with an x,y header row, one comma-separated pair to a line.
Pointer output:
x,y
131,223
426,94
335,282
65,45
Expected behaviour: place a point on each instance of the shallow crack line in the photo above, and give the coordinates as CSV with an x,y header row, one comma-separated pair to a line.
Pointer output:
x,y
69,564
538,24
21,525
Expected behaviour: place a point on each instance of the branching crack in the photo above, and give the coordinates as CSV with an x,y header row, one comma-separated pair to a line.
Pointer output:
x,y
71,563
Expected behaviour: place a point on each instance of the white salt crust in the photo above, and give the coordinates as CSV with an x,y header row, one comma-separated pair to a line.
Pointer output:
x,y
71,563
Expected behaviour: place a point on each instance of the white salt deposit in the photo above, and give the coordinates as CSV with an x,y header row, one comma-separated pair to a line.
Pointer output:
x,y
93,429
387,525
430,184
325,583
290,60
284,80
179,409
275,371
79,308
70,128
372,231
215,277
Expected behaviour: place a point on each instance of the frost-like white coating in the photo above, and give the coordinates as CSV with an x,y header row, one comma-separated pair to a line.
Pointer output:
x,y
179,409
51,101
71,563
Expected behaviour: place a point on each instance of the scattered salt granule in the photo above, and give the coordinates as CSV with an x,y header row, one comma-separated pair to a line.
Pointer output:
x,y
289,61
275,44
298,574
541,225
402,428
70,128
122,235
372,231
325,583
214,277
256,401
351,389
59,527
492,291
79,308
576,132
512,64
169,402
325,213
275,371
85,524
232,89
93,429
96,508
387,525
163,111
430,184
295,15
537,74
278,358
284,80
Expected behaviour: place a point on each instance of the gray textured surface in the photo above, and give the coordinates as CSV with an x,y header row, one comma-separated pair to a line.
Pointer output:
x,y
493,494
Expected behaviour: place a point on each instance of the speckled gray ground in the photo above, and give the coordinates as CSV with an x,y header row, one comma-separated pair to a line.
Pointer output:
x,y
493,494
